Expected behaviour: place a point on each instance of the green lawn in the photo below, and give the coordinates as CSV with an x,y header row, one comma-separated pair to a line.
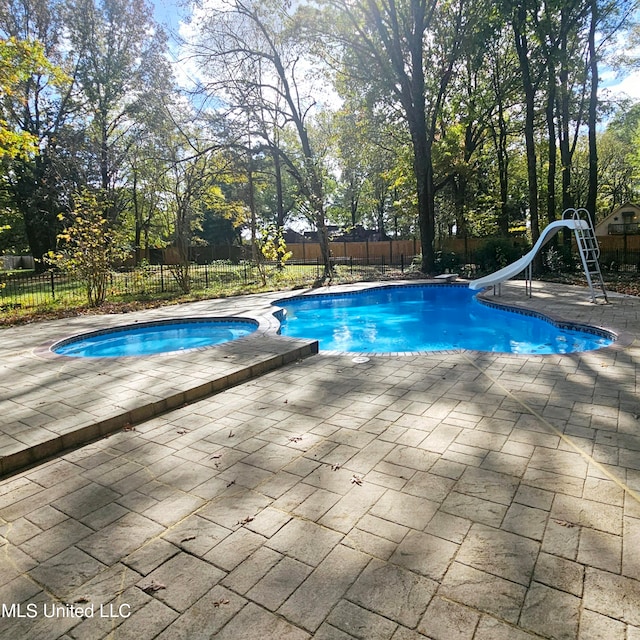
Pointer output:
x,y
25,295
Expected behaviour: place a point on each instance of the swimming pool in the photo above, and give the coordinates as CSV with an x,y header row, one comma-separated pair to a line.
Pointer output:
x,y
150,338
414,318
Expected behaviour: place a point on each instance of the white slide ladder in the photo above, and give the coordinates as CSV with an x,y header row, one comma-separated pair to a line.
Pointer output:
x,y
588,249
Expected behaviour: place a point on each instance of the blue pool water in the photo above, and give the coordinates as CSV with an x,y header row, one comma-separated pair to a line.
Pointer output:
x,y
425,318
154,337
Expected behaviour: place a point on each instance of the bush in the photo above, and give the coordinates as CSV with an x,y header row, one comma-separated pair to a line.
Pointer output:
x,y
497,253
89,247
448,262
561,260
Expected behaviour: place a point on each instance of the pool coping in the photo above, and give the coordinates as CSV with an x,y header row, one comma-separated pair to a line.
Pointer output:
x,y
47,349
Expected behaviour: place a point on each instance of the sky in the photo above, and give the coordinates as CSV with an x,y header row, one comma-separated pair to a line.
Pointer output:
x,y
628,85
170,13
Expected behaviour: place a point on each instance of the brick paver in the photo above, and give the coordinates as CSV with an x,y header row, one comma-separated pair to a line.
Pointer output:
x,y
443,496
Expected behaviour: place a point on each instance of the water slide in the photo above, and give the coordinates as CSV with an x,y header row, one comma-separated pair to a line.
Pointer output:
x,y
520,265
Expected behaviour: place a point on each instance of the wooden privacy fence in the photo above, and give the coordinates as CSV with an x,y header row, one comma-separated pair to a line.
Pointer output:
x,y
390,250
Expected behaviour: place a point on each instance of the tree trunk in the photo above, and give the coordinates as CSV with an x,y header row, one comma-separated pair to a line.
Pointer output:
x,y
550,112
529,127
459,187
423,168
593,107
277,164
31,194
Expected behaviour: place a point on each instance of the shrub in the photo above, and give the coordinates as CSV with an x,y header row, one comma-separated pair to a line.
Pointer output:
x,y
496,253
89,247
448,261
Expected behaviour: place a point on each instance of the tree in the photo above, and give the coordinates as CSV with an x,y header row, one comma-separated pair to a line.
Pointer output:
x,y
405,54
122,73
607,19
530,82
41,108
19,60
503,71
195,165
89,246
185,185
253,53
559,44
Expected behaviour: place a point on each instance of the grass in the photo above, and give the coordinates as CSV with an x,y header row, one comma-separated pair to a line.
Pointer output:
x,y
29,303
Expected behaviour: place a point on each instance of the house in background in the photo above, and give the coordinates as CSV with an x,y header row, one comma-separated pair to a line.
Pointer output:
x,y
625,220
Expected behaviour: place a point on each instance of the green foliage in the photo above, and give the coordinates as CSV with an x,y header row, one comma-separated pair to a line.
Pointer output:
x,y
560,259
12,234
273,247
448,261
89,247
19,59
174,177
496,253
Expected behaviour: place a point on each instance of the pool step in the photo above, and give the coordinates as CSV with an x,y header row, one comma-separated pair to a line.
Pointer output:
x,y
126,402
447,277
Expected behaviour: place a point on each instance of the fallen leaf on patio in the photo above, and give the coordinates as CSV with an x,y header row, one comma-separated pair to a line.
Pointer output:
x,y
188,538
153,586
231,434
215,456
286,401
230,483
295,438
564,523
335,467
81,599
183,431
356,479
245,520
128,427
222,601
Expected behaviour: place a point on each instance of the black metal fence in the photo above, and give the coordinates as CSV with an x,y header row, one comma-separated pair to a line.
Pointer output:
x,y
619,260
29,290
18,289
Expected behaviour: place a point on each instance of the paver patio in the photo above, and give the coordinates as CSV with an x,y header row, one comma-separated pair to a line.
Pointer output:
x,y
447,496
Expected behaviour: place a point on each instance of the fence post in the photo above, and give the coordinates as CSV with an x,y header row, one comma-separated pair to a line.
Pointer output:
x,y
402,263
382,264
161,279
53,286
351,264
